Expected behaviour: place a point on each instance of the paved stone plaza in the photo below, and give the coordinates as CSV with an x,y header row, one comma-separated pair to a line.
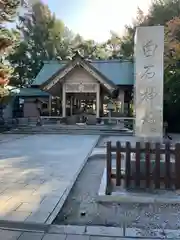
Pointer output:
x,y
37,173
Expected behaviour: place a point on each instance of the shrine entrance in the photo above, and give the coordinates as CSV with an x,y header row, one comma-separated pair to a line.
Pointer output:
x,y
80,103
81,107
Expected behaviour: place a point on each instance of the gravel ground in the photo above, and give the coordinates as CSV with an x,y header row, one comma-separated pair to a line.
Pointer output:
x,y
81,207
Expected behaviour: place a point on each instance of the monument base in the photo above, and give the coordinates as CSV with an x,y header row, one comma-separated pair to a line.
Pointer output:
x,y
149,139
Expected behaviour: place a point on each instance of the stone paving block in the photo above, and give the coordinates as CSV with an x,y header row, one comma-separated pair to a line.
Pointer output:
x,y
77,237
50,200
3,204
54,237
3,188
17,216
36,181
31,199
19,193
16,187
48,189
31,187
33,207
104,231
10,180
67,229
31,236
9,206
58,193
47,207
5,197
38,217
9,235
49,204
23,180
40,193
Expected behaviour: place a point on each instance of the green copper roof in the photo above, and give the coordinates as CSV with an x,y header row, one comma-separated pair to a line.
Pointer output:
x,y
120,73
47,71
26,92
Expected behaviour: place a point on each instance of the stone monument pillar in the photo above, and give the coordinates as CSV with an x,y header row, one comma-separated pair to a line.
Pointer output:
x,y
149,71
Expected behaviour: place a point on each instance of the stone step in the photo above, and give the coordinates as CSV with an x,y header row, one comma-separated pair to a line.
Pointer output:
x,y
74,127
67,131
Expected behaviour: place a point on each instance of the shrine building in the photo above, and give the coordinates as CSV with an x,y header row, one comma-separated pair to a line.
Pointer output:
x,y
70,88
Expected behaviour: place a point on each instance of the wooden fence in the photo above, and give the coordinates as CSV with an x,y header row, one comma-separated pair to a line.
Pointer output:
x,y
151,166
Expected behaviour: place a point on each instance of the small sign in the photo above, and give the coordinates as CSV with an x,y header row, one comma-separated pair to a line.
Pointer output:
x,y
21,101
110,106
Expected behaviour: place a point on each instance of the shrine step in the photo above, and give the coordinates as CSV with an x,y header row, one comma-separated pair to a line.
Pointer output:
x,y
41,130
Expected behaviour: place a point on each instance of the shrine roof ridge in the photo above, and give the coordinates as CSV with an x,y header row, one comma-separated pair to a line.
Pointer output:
x,y
90,60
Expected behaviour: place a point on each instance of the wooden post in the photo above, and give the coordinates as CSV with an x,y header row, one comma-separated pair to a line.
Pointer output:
x,y
50,105
137,175
118,163
177,165
147,164
71,106
167,166
157,166
108,169
128,164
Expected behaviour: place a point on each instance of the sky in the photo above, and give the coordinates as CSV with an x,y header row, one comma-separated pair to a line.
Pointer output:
x,y
93,19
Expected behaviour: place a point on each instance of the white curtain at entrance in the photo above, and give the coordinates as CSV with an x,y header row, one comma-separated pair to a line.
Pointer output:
x,y
98,101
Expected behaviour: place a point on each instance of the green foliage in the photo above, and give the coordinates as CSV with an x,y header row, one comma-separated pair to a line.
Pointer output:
x,y
47,38
8,10
8,39
44,38
167,13
162,11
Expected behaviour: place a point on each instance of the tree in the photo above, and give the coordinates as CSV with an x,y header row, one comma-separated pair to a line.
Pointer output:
x,y
123,47
113,46
8,39
172,73
47,38
8,10
89,48
43,39
166,12
162,11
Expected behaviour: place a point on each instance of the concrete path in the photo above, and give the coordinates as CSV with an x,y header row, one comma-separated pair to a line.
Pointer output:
x,y
37,173
10,137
